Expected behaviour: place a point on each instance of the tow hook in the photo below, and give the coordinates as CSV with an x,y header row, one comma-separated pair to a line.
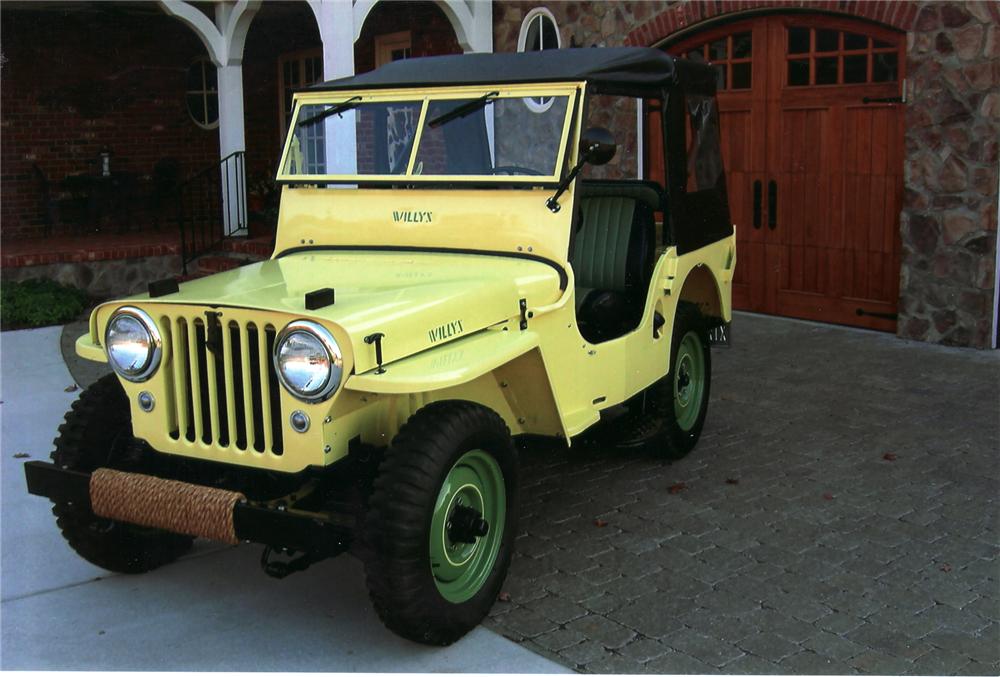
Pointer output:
x,y
280,569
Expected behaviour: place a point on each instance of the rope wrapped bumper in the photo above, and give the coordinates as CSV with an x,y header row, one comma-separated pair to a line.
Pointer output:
x,y
174,506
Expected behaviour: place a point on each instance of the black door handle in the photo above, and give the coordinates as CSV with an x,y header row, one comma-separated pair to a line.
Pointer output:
x,y
756,204
772,204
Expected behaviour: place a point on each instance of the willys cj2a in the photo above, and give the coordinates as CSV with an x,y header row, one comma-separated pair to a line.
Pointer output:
x,y
445,277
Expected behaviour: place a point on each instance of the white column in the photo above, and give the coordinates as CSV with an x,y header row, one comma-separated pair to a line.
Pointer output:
x,y
336,30
224,40
232,139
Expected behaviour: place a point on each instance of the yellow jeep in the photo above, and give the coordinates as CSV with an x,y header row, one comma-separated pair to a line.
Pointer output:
x,y
445,277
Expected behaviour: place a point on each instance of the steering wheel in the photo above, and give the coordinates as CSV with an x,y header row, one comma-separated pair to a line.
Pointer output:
x,y
511,170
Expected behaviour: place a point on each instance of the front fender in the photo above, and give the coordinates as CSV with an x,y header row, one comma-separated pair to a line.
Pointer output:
x,y
500,369
446,366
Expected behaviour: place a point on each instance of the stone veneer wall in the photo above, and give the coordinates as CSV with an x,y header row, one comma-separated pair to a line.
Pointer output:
x,y
585,24
103,279
949,218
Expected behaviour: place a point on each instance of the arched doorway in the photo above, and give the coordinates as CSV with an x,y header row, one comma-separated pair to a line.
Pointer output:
x,y
813,143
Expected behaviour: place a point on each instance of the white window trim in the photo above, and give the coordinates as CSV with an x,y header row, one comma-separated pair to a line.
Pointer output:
x,y
522,38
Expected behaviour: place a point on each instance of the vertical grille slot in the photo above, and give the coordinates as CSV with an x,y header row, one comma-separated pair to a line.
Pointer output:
x,y
273,392
225,391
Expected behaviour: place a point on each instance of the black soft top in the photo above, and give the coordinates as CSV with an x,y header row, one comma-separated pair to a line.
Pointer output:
x,y
629,71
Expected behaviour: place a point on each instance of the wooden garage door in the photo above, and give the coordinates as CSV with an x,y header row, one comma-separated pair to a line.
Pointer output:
x,y
813,144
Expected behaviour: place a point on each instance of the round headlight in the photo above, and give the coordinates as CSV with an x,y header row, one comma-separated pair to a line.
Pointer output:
x,y
308,361
133,344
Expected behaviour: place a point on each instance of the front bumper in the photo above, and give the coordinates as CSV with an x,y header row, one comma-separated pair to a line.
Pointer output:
x,y
273,526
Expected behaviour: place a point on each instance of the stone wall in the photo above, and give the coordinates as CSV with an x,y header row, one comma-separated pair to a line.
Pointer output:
x,y
949,219
103,279
587,24
950,203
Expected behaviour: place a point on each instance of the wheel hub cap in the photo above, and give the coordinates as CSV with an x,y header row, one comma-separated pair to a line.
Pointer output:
x,y
689,380
467,525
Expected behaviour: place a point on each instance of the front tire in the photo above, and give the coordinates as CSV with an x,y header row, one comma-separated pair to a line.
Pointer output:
x,y
97,433
442,522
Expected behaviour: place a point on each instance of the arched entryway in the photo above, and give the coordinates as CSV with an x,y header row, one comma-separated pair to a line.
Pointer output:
x,y
813,143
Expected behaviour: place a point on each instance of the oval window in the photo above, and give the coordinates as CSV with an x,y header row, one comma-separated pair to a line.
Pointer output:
x,y
202,94
538,31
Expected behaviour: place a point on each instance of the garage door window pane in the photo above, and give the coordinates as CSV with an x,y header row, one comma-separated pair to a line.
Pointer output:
x,y
885,68
855,41
798,72
798,40
742,45
827,40
741,76
720,76
855,68
717,50
826,71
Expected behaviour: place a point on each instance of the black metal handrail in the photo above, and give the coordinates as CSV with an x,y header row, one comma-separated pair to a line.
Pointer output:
x,y
211,206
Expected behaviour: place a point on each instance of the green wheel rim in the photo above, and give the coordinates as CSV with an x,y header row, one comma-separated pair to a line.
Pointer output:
x,y
689,381
460,569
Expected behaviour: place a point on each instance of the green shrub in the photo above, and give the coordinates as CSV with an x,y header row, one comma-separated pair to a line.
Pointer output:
x,y
39,303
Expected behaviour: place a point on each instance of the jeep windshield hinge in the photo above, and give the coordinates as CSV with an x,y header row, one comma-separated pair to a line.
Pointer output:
x,y
523,306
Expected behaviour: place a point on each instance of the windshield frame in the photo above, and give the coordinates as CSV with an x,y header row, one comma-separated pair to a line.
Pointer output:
x,y
425,95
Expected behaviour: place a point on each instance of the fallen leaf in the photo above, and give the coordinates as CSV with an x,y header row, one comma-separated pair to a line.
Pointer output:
x,y
71,389
600,523
889,456
21,454
828,496
677,488
946,568
732,481
504,597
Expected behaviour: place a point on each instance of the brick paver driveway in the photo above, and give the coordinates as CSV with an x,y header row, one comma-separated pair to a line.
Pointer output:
x,y
839,515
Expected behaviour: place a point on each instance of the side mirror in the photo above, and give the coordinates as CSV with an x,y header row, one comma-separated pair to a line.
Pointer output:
x,y
597,146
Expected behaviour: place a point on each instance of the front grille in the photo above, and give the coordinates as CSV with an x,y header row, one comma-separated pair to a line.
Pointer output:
x,y
225,391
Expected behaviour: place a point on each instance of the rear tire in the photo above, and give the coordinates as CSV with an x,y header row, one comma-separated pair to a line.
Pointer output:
x,y
431,576
97,433
681,398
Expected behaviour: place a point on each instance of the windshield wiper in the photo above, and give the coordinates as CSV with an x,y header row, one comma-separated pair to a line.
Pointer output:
x,y
464,109
336,110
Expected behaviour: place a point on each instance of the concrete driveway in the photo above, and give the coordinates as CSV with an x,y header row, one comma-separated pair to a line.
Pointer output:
x,y
212,610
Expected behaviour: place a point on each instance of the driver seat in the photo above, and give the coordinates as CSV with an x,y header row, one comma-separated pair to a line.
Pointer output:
x,y
612,255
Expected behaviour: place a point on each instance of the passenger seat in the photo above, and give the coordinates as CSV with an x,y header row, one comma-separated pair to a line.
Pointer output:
x,y
612,255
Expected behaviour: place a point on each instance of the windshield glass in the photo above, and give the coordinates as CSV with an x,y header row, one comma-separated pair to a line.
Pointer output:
x,y
491,136
359,138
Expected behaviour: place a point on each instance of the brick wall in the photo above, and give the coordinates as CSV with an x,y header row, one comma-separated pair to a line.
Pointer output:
x,y
431,32
76,79
277,29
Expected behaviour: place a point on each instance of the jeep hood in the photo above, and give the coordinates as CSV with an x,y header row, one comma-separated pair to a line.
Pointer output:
x,y
417,300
